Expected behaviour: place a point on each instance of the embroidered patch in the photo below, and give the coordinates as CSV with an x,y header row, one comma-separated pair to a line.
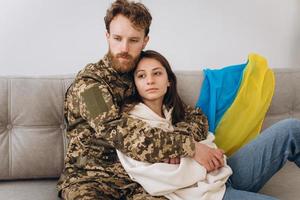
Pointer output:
x,y
95,103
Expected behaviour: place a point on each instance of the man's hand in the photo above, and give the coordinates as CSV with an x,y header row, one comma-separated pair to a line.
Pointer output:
x,y
172,160
208,157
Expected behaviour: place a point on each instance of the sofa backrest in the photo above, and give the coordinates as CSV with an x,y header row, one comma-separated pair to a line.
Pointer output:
x,y
32,130
31,126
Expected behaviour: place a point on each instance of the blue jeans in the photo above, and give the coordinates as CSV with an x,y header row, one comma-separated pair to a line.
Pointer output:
x,y
255,163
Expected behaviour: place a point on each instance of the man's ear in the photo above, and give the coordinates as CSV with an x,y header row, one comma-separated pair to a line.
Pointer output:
x,y
146,39
107,35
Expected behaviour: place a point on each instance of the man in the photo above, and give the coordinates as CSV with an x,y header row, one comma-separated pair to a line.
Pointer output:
x,y
96,127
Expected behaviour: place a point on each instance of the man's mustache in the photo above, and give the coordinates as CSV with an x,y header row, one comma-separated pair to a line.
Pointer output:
x,y
124,55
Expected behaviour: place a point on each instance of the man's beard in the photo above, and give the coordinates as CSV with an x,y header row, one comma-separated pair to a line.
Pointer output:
x,y
125,65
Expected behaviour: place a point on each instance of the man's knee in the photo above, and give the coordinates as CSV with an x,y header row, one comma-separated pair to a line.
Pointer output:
x,y
88,191
79,194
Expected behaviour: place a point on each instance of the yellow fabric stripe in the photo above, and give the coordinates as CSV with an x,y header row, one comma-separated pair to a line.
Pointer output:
x,y
243,120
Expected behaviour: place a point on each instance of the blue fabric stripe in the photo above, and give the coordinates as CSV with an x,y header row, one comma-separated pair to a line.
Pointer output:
x,y
218,91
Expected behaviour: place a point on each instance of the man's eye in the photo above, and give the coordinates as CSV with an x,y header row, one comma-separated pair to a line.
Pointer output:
x,y
134,40
117,38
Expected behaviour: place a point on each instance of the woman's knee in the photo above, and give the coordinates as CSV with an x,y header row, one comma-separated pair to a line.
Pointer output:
x,y
291,121
292,125
289,124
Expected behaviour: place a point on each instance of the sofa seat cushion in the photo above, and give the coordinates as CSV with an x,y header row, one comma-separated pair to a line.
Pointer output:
x,y
285,183
29,189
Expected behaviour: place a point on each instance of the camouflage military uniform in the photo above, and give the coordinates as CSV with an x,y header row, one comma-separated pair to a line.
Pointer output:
x,y
96,128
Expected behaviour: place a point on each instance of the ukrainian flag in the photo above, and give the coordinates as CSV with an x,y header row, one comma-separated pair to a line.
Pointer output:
x,y
235,100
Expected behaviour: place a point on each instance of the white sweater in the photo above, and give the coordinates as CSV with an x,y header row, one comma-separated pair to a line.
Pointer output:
x,y
185,181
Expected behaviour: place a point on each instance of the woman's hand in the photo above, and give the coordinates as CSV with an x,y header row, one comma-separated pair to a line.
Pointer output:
x,y
172,160
208,157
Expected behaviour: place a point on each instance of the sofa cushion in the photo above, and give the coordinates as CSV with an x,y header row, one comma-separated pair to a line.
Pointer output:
x,y
28,190
286,99
285,184
32,126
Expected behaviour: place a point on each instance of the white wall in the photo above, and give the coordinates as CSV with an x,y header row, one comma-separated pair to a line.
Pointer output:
x,y
61,36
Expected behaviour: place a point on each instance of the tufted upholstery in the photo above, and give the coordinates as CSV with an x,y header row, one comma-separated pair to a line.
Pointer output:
x,y
31,127
32,130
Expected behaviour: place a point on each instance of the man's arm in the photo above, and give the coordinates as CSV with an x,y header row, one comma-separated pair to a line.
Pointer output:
x,y
208,157
133,137
195,122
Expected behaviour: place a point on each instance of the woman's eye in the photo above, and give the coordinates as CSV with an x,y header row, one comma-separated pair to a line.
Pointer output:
x,y
141,76
157,73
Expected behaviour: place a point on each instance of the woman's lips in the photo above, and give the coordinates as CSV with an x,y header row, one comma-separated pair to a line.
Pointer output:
x,y
151,89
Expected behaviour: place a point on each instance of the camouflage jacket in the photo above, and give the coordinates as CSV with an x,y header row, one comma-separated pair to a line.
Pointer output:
x,y
96,127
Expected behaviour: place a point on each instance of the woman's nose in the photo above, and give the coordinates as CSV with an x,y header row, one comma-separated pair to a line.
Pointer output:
x,y
150,80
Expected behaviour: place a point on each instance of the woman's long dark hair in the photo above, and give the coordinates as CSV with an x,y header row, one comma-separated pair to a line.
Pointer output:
x,y
171,98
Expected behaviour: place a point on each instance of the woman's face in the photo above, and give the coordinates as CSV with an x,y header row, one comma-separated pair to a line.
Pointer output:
x,y
151,80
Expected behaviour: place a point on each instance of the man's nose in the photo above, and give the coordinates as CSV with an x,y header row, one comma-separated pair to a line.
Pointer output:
x,y
124,46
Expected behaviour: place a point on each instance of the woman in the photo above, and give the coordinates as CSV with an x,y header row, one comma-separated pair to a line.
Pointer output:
x,y
158,104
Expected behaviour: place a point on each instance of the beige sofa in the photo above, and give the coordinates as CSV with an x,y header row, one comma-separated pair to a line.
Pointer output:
x,y
32,132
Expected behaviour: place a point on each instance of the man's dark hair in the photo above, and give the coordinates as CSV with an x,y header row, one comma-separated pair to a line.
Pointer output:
x,y
136,12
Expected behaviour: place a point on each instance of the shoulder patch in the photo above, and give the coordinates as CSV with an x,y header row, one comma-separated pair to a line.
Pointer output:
x,y
95,103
